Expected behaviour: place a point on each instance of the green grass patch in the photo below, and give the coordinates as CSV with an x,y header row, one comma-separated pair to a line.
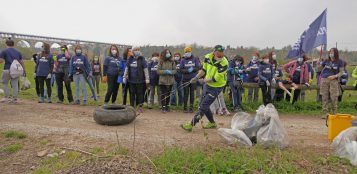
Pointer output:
x,y
244,160
15,134
13,148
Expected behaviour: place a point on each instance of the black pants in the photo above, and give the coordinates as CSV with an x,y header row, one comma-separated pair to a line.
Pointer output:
x,y
41,81
112,89
296,95
137,92
37,87
188,91
165,95
279,95
125,90
60,79
266,91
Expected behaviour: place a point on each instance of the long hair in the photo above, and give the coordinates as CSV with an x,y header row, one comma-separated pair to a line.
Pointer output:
x,y
335,53
46,50
163,55
110,50
126,51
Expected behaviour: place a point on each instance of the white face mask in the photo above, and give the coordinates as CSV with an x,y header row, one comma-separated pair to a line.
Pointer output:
x,y
177,58
300,59
137,53
254,58
332,56
188,54
154,59
114,52
266,60
274,56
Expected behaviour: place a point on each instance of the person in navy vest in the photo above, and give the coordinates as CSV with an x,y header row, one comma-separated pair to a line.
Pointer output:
x,y
252,76
136,75
8,55
176,97
79,66
343,80
62,62
331,71
189,67
44,68
235,81
96,67
113,68
265,74
127,54
154,79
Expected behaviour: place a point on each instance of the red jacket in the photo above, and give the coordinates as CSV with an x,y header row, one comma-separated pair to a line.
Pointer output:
x,y
291,68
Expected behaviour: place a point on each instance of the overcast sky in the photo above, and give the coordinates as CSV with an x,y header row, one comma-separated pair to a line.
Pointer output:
x,y
258,23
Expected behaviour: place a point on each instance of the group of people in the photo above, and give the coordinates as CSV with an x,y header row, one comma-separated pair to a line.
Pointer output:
x,y
176,78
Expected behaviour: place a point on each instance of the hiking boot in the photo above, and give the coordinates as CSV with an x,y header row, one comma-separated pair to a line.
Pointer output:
x,y
49,100
13,101
105,104
210,125
41,100
187,126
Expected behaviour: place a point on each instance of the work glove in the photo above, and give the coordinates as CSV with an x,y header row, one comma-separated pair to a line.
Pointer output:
x,y
267,82
193,80
240,71
190,69
169,72
49,76
288,93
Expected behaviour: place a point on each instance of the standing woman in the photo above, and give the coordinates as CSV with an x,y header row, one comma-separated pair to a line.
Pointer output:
x,y
63,60
44,69
331,71
265,74
235,81
111,71
97,73
136,75
166,71
176,87
79,65
128,54
154,79
189,67
252,76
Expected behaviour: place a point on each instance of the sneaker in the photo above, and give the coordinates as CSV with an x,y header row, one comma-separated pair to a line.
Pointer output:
x,y
59,101
41,100
185,110
187,126
140,110
49,100
190,110
13,101
210,125
220,112
77,102
105,104
167,108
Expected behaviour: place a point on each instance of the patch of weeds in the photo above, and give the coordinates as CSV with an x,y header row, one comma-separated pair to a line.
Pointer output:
x,y
13,148
96,150
15,134
42,170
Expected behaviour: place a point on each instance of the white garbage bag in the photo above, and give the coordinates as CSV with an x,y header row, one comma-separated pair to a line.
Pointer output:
x,y
26,84
234,136
345,145
273,133
240,120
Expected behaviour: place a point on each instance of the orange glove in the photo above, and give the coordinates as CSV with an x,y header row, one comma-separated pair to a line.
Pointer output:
x,y
104,79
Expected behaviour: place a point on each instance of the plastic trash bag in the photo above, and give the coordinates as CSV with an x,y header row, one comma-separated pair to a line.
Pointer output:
x,y
240,120
273,133
345,145
234,136
1,91
26,84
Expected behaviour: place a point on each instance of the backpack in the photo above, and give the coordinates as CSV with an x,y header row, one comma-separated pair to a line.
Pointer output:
x,y
16,69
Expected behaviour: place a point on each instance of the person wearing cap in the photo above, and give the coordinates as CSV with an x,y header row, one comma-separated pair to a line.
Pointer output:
x,y
189,67
177,88
265,74
215,71
61,74
252,77
235,81
79,66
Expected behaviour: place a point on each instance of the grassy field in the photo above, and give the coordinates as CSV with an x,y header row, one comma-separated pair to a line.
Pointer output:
x,y
310,106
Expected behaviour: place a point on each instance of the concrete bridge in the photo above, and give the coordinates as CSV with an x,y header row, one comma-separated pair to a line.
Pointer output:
x,y
35,41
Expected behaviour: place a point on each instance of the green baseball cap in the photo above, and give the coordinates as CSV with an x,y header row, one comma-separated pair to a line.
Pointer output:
x,y
219,48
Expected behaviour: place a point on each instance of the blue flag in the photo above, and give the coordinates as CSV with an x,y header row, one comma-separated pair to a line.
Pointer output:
x,y
313,37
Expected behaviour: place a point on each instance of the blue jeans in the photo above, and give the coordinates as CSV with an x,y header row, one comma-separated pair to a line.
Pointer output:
x,y
80,78
236,95
175,91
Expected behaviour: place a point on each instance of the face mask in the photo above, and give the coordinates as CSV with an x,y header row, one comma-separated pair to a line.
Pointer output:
x,y
237,63
187,55
114,52
137,53
154,59
96,59
332,56
254,58
78,52
168,55
300,59
274,57
177,58
266,60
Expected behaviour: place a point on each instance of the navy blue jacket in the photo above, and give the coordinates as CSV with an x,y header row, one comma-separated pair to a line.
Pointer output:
x,y
136,71
265,73
187,63
44,66
253,73
235,71
331,68
63,63
154,77
113,66
79,64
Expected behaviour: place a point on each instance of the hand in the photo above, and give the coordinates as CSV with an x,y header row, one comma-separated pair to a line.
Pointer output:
x,y
288,93
273,81
190,69
193,80
240,71
34,74
49,76
248,69
307,84
333,77
169,72
124,80
267,82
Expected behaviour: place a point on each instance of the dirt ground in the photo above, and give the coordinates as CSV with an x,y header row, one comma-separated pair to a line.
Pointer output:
x,y
74,127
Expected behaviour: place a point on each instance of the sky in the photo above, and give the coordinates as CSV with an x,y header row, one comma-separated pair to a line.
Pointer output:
x,y
258,23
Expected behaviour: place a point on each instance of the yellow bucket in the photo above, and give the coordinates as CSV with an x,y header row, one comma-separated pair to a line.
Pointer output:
x,y
338,123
